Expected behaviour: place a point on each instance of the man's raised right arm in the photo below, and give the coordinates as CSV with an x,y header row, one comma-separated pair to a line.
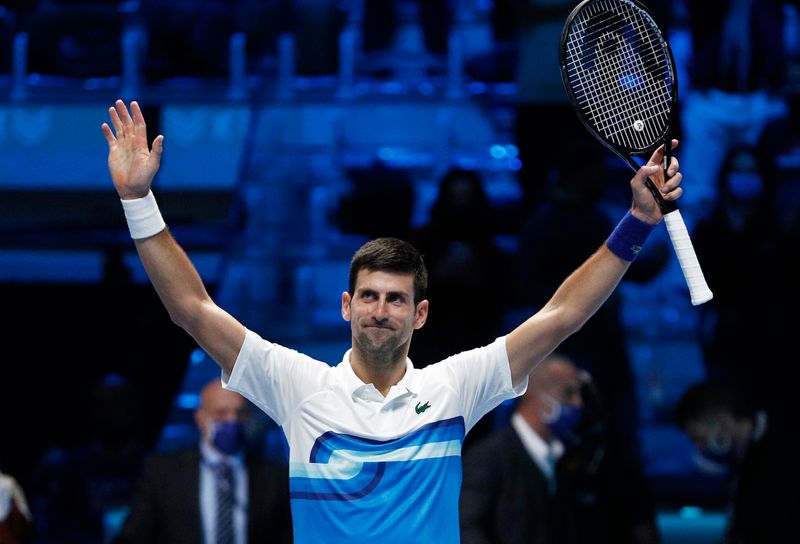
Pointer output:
x,y
133,166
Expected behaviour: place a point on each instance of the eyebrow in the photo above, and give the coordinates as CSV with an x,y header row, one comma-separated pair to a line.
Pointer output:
x,y
389,294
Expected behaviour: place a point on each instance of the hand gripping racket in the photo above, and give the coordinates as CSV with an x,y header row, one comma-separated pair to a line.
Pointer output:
x,y
620,76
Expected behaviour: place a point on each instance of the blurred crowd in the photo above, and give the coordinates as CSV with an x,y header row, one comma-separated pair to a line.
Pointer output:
x,y
739,127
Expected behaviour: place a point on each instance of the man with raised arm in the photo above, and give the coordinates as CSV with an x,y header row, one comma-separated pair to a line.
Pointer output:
x,y
375,444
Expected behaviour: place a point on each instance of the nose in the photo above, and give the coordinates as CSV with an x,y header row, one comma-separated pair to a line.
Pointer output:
x,y
381,312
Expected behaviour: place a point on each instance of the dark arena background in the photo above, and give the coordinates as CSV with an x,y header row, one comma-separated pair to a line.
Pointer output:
x,y
295,131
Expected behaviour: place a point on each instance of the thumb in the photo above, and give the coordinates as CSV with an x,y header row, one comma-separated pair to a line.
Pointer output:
x,y
639,181
647,171
156,152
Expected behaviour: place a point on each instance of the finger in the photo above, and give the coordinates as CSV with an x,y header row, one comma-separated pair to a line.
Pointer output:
x,y
124,115
672,183
657,157
115,120
138,118
158,148
675,194
674,143
673,167
647,171
108,134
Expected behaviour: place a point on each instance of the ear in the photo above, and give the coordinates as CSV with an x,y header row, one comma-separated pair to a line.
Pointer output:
x,y
422,314
346,306
200,421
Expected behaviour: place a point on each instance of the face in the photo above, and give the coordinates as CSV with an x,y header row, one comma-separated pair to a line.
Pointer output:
x,y
382,314
562,385
217,405
713,433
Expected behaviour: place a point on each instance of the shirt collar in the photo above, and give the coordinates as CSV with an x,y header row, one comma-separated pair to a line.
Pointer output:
x,y
543,453
214,457
357,389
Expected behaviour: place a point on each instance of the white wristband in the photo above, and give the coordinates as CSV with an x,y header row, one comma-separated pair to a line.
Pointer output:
x,y
143,217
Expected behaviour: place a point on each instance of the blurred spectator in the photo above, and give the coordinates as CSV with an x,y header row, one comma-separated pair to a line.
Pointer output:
x,y
779,151
464,264
512,491
82,492
181,495
730,431
569,222
541,99
735,245
552,476
357,212
737,73
16,522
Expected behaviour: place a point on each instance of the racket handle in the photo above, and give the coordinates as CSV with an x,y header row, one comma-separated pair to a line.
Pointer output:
x,y
698,289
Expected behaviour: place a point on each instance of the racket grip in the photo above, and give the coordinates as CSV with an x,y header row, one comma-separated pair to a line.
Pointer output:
x,y
698,289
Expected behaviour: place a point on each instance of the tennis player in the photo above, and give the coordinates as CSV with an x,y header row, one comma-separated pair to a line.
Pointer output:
x,y
375,444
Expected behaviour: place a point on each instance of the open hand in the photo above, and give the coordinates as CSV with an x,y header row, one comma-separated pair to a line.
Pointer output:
x,y
131,163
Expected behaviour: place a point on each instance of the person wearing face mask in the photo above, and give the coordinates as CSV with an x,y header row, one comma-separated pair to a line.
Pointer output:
x,y
553,476
218,492
511,490
731,432
739,225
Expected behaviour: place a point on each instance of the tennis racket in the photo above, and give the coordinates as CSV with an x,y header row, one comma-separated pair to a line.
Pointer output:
x,y
619,73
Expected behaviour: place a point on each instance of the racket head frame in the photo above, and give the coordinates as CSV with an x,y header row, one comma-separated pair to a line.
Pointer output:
x,y
663,137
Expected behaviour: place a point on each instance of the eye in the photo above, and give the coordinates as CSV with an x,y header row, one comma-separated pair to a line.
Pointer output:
x,y
396,298
368,295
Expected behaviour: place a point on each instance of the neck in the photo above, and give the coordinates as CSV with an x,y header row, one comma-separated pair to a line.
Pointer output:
x,y
537,424
383,373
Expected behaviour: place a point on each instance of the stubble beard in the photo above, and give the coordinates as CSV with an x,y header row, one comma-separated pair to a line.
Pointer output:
x,y
381,355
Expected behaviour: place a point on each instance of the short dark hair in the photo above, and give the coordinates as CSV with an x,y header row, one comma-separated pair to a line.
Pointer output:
x,y
701,398
390,255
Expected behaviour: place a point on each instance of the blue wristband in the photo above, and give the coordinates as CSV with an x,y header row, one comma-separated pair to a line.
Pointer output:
x,y
628,237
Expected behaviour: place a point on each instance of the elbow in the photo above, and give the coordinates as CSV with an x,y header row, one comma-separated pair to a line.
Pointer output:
x,y
182,320
187,316
568,320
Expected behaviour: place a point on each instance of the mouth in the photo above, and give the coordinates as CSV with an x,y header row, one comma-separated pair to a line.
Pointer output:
x,y
381,327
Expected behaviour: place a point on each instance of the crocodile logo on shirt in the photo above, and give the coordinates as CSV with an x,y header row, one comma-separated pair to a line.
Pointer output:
x,y
422,408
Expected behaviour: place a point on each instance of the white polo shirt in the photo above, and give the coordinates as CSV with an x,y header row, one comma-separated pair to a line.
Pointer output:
x,y
367,466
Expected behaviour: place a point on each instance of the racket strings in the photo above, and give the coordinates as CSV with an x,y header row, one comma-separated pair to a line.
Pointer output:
x,y
624,85
620,74
634,96
623,94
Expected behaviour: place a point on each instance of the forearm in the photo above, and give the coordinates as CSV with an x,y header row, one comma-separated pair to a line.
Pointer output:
x,y
133,166
183,294
582,293
578,297
173,276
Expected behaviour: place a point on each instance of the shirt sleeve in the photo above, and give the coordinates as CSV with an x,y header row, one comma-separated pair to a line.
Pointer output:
x,y
482,376
273,377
